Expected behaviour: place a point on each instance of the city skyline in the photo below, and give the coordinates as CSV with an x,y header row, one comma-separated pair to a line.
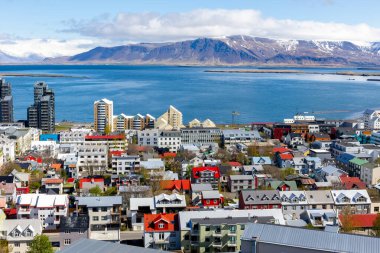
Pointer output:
x,y
71,28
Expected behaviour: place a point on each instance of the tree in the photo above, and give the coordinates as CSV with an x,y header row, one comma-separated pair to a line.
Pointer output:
x,y
8,167
95,191
4,248
111,191
346,220
40,244
376,226
286,172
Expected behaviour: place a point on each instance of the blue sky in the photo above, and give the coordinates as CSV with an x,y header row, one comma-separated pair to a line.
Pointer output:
x,y
69,26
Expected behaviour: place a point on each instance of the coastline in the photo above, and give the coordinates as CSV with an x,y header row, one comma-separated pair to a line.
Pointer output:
x,y
39,75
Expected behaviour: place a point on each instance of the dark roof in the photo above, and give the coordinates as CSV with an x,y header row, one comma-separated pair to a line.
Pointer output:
x,y
256,197
78,222
233,220
7,179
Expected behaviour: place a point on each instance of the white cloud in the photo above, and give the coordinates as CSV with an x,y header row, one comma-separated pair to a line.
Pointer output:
x,y
217,22
45,47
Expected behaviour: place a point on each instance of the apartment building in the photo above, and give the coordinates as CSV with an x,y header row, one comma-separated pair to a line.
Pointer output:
x,y
103,215
19,233
370,173
74,136
321,199
293,203
47,208
161,231
371,119
235,136
208,174
92,160
112,142
358,201
170,140
148,137
240,182
170,120
260,199
201,136
103,115
125,165
6,102
122,122
375,138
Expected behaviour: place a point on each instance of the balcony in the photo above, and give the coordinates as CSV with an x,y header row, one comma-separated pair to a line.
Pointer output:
x,y
217,233
24,211
232,233
217,244
159,241
231,244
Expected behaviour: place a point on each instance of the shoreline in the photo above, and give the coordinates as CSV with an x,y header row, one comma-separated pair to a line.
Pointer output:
x,y
39,75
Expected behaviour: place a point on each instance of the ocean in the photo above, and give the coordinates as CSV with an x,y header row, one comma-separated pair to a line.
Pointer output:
x,y
196,93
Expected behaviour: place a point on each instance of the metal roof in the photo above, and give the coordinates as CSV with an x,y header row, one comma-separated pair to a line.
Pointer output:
x,y
310,239
99,201
95,246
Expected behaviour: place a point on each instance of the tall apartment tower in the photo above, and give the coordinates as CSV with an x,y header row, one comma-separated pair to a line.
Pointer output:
x,y
6,102
42,113
103,115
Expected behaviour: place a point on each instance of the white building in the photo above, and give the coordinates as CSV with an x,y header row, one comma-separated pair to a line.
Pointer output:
x,y
200,136
170,140
125,165
375,138
92,159
357,200
103,115
293,203
47,208
8,148
371,119
240,136
19,233
50,147
148,137
74,136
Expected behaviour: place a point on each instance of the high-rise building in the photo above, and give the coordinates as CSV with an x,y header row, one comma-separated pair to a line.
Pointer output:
x,y
42,113
6,102
171,119
103,115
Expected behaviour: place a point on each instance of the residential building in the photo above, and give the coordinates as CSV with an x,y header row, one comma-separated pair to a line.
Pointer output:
x,y
261,160
293,203
375,138
112,142
154,166
234,136
358,201
74,136
212,199
52,185
71,230
370,173
259,199
192,239
371,119
171,119
206,175
170,140
240,182
6,102
19,233
200,136
355,166
103,116
103,215
125,165
137,209
282,185
320,218
122,122
350,147
165,203
42,113
92,160
196,192
321,199
294,139
161,231
148,137
47,208
268,238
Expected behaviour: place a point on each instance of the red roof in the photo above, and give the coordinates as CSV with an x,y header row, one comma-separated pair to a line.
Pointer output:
x,y
235,164
349,183
281,150
361,220
105,137
169,155
196,171
175,185
56,166
168,218
54,181
286,156
117,152
71,180
89,180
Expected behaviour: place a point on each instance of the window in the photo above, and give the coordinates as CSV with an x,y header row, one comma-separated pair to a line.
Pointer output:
x,y
161,236
104,209
81,231
17,244
95,218
285,208
104,217
67,231
95,209
161,225
67,242
376,209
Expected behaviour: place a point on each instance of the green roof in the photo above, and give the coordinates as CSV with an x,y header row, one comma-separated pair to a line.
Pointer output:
x,y
276,183
358,161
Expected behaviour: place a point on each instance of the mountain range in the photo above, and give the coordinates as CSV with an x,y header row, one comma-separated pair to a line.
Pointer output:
x,y
229,50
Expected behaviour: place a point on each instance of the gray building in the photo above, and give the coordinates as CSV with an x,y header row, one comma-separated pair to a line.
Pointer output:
x,y
200,135
240,182
42,113
268,238
6,102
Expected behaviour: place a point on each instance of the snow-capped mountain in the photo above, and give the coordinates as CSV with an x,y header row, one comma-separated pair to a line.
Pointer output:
x,y
234,50
9,59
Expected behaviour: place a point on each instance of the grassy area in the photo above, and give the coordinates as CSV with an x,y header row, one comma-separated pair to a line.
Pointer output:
x,y
63,127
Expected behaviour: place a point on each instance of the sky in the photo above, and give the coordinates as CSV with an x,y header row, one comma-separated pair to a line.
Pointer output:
x,y
51,28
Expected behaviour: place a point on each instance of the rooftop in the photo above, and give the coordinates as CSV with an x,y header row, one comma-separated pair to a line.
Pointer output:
x,y
99,201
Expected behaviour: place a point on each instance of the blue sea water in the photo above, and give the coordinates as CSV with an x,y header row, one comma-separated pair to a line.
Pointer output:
x,y
198,94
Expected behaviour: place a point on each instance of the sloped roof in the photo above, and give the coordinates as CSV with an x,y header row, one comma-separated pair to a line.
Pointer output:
x,y
361,220
257,197
169,218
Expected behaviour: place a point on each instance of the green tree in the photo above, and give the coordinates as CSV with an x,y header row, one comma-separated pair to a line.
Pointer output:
x,y
95,191
40,244
286,172
34,186
4,248
376,226
111,191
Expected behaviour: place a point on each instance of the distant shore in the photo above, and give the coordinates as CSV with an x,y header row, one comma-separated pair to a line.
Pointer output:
x,y
286,71
40,75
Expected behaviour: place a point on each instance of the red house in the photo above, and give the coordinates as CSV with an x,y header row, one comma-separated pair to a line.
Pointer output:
x,y
161,231
212,199
280,130
175,185
208,174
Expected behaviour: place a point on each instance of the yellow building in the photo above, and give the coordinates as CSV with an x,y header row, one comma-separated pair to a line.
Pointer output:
x,y
103,115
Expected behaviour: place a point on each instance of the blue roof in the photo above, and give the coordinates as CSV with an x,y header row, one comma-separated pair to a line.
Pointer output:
x,y
345,158
261,160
